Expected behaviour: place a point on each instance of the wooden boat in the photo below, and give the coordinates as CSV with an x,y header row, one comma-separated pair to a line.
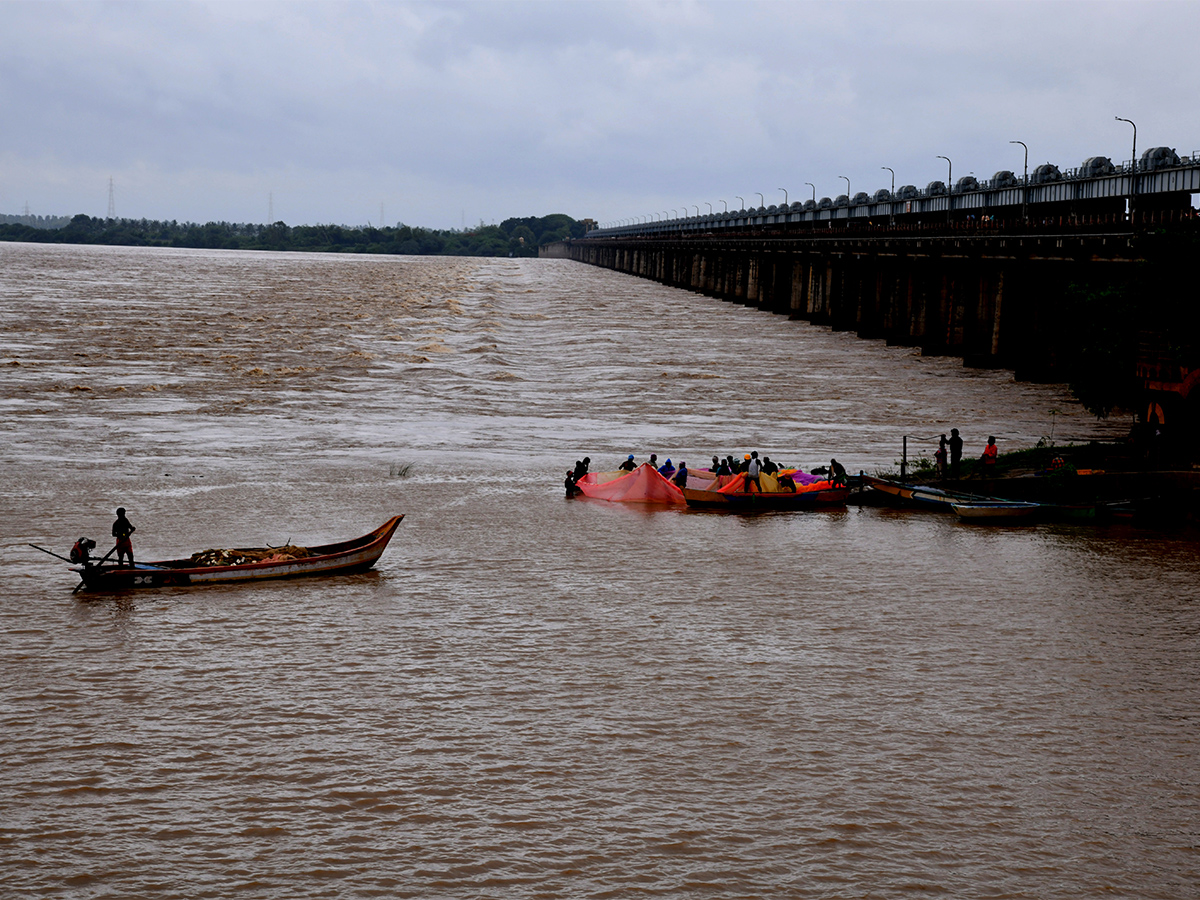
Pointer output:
x,y
739,500
356,555
924,497
1001,511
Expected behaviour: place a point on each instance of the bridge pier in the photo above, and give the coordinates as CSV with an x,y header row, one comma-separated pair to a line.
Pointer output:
x,y
989,301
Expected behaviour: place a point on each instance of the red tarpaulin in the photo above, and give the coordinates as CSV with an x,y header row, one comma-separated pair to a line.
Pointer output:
x,y
642,485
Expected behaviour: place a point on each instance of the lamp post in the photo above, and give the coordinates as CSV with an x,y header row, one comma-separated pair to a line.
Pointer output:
x,y
847,180
761,200
709,205
785,196
949,185
814,187
741,201
892,216
1133,174
1024,183
726,209
697,209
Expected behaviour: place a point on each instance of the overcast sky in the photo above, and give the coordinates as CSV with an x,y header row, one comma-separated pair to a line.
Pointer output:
x,y
447,114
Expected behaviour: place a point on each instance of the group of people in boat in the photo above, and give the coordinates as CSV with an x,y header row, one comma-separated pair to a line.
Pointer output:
x,y
122,532
751,465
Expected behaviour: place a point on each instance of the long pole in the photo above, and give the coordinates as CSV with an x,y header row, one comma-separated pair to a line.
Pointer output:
x,y
814,187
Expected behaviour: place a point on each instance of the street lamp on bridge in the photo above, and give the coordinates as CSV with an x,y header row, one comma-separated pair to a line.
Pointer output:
x,y
741,201
1024,182
761,200
1133,174
847,180
814,187
785,196
697,209
726,209
949,185
709,205
892,217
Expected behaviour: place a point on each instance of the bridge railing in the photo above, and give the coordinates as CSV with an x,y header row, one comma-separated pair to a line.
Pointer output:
x,y
1076,186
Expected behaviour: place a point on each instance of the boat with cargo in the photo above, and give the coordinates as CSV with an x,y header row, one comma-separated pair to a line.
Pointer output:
x,y
244,564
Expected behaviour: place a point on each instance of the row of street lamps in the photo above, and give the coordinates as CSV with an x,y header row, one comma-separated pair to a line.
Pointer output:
x,y
949,186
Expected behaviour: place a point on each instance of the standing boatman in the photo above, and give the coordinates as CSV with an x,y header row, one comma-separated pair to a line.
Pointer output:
x,y
121,530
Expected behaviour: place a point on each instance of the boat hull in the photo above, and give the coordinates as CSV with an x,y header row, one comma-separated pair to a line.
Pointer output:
x,y
766,500
914,495
996,512
343,558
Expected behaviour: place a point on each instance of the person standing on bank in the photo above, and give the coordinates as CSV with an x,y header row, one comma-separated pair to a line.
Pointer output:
x,y
955,452
939,458
121,530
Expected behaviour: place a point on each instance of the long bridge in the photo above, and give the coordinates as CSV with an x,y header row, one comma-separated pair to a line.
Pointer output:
x,y
978,271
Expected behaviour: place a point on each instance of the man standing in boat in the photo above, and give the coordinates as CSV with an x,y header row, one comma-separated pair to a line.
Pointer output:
x,y
122,530
753,467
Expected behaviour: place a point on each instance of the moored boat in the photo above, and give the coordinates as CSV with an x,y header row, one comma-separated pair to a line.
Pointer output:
x,y
921,496
1000,511
343,558
732,494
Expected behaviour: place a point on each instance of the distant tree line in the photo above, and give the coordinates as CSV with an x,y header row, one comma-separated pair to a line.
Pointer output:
x,y
36,221
512,237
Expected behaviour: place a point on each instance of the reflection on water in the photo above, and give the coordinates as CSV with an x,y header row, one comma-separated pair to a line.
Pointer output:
x,y
538,697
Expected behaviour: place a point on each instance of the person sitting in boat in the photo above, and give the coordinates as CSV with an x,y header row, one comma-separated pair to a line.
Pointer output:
x,y
666,470
716,464
80,553
724,468
837,473
989,457
654,461
121,530
680,478
768,467
628,466
787,483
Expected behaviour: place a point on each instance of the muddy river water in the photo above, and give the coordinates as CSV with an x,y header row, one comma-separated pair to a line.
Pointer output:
x,y
534,697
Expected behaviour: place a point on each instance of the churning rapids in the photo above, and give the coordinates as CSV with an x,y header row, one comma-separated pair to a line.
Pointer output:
x,y
539,697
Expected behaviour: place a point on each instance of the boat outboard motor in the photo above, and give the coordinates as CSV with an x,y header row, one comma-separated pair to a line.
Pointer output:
x,y
79,553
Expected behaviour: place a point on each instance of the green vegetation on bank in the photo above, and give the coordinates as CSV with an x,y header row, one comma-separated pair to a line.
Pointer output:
x,y
512,237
